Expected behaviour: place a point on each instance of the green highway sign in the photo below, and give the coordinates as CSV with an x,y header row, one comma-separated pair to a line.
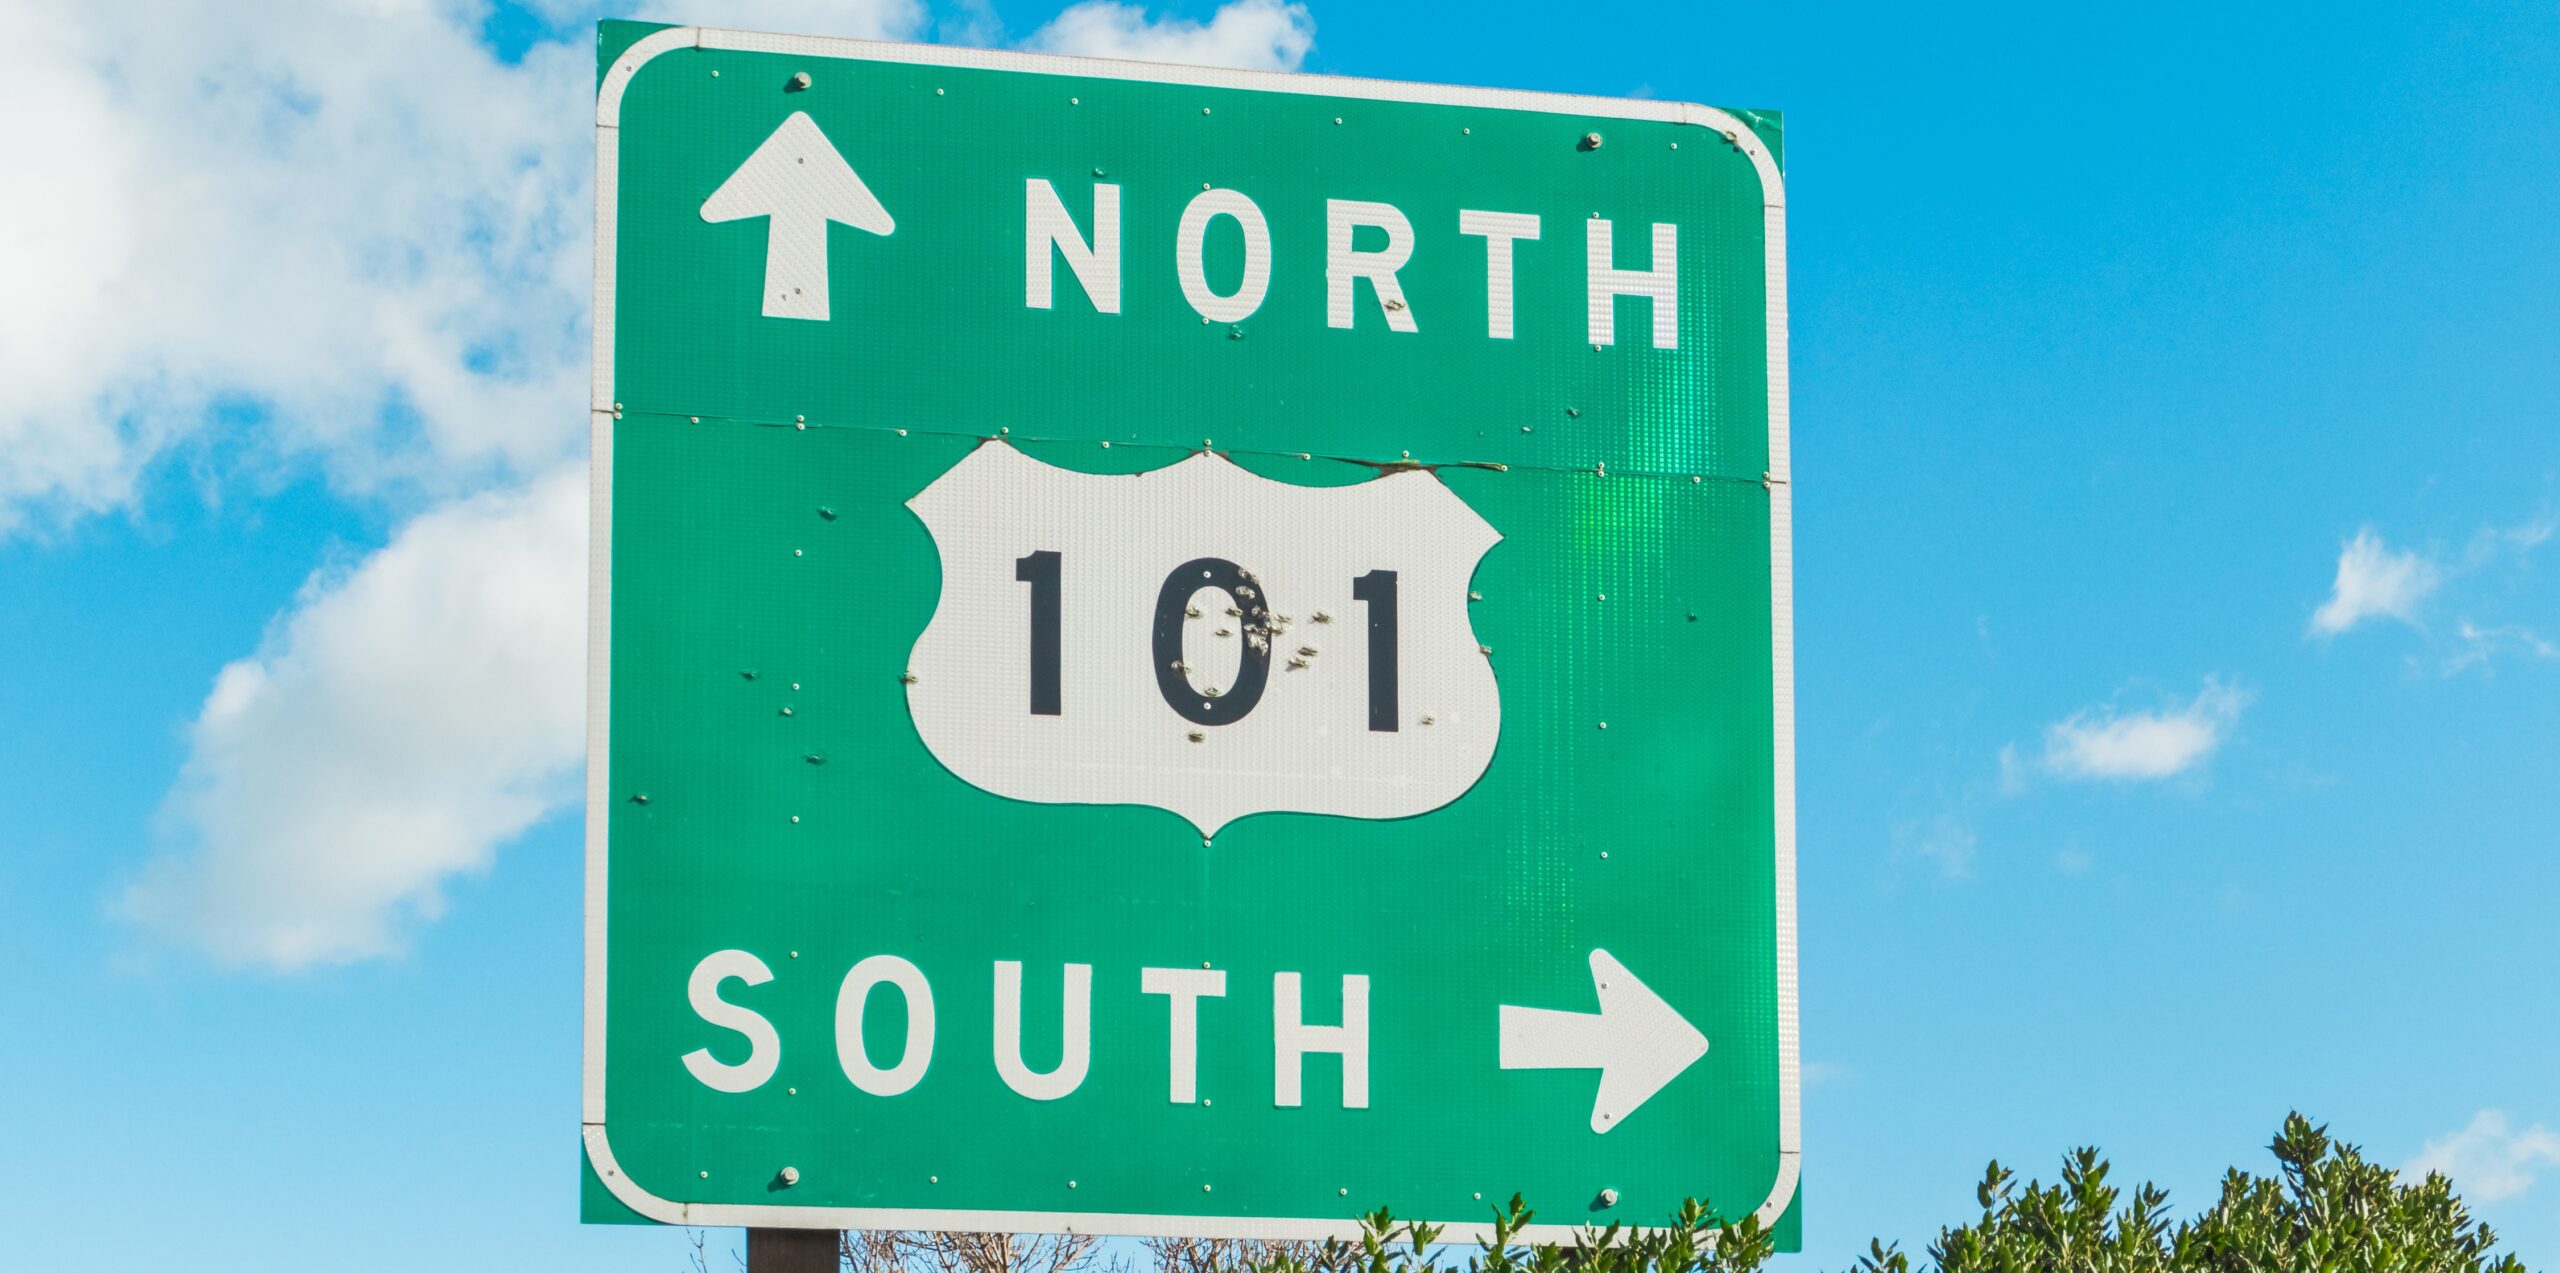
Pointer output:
x,y
1182,651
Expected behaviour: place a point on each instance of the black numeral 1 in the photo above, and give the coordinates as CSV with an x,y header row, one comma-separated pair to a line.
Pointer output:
x,y
1040,570
1378,588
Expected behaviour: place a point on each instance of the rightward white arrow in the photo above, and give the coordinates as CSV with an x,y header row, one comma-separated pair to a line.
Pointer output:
x,y
797,179
1636,1041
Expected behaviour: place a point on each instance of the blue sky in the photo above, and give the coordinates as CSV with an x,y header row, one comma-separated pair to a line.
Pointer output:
x,y
2178,634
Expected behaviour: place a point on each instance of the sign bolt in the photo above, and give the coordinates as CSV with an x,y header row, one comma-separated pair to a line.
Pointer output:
x,y
1604,724
799,82
1608,1197
1591,141
790,1176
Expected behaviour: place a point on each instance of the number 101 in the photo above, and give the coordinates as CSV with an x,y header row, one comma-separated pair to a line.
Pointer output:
x,y
1376,589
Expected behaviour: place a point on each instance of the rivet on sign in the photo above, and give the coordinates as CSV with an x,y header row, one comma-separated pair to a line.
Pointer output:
x,y
1675,145
800,81
937,92
1205,442
1604,855
1204,1102
1608,1197
795,685
1003,432
1204,185
698,419
1575,412
796,552
1479,1197
1100,173
1071,1184
1599,596
1204,963
1337,119
790,1176
1204,842
1204,1188
1074,101
1604,724
795,954
1694,479
1204,110
791,1091
1408,455
1467,132
1475,596
1591,141
1106,446
1342,1193
933,1180
1524,428
640,798
715,75
801,419
786,711
617,406
801,425
795,819
1601,469
706,1175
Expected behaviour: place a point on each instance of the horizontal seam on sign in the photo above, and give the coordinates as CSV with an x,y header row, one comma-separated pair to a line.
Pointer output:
x,y
1763,480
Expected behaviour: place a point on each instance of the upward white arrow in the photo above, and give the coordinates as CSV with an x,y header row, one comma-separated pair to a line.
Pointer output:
x,y
1636,1041
798,181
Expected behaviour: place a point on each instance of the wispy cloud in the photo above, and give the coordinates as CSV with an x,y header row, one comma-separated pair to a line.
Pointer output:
x,y
2374,582
1264,35
2489,1160
2134,746
1948,841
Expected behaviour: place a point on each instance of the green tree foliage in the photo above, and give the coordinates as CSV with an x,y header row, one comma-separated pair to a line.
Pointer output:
x,y
2327,1210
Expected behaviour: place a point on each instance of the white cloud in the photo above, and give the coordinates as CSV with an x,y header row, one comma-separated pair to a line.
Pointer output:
x,y
403,720
339,227
2374,581
2488,1161
2102,742
1263,35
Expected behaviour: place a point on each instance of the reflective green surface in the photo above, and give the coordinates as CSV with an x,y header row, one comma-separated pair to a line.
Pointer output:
x,y
761,566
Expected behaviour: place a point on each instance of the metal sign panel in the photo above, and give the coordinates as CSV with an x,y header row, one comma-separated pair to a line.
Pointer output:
x,y
1182,651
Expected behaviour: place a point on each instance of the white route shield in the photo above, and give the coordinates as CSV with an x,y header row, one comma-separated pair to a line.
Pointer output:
x,y
1204,640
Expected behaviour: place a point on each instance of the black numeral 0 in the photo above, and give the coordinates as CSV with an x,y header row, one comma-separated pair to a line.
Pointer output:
x,y
1378,588
1040,570
1253,668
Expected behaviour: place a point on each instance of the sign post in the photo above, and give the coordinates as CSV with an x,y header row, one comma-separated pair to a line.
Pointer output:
x,y
1182,651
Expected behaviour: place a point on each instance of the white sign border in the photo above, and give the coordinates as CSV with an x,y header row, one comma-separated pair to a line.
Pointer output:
x,y
602,410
